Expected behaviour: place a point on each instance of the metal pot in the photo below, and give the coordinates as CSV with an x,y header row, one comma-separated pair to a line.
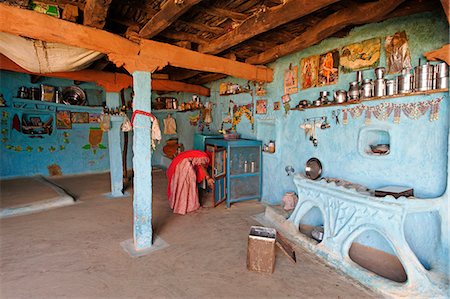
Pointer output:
x,y
317,102
423,77
405,83
379,88
379,72
391,87
366,90
340,96
353,91
324,97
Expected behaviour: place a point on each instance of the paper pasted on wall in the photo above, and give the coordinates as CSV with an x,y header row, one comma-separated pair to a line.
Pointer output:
x,y
329,68
309,69
95,139
397,53
362,55
94,117
261,106
291,80
79,117
63,120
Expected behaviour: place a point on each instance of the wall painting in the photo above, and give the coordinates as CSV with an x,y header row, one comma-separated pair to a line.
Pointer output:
x,y
291,80
309,69
360,56
397,53
329,68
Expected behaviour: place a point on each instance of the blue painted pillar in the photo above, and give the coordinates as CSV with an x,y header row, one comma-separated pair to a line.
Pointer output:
x,y
142,162
115,148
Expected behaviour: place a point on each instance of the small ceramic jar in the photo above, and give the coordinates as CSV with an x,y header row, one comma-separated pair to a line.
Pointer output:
x,y
290,200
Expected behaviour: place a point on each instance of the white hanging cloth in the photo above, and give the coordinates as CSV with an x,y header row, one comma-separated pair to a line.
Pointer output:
x,y
42,57
170,126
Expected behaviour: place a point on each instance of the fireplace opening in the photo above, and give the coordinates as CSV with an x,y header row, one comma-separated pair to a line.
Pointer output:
x,y
311,225
381,260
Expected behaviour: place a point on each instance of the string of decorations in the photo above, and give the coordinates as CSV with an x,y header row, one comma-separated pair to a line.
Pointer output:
x,y
383,111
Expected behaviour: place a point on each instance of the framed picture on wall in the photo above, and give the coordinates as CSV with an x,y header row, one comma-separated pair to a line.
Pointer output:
x,y
63,120
261,106
79,117
276,106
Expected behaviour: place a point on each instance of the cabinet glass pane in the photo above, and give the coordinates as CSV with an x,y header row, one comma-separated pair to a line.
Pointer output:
x,y
244,159
244,187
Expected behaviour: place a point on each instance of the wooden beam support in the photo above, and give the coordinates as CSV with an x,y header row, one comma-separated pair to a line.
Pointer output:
x,y
208,78
95,12
441,54
264,21
168,14
354,14
446,7
147,56
111,82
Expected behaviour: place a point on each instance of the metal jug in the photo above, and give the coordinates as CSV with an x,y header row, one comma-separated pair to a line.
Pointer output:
x,y
353,91
340,96
366,90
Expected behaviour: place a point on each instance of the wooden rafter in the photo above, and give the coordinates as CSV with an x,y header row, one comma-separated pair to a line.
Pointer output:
x,y
95,12
146,56
264,21
168,14
446,7
220,12
354,14
442,53
202,27
184,36
111,82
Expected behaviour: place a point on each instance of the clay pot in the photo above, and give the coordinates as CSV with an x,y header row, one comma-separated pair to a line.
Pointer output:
x,y
290,200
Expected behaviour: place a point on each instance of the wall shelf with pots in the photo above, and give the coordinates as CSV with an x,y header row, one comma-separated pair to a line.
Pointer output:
x,y
400,95
49,106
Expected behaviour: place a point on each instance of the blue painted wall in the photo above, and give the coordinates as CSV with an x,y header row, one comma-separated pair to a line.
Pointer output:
x,y
418,155
185,131
418,148
62,147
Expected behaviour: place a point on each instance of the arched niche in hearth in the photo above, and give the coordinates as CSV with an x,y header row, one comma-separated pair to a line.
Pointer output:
x,y
379,258
313,220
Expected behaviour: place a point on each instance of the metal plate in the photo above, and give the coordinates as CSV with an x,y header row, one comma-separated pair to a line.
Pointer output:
x,y
313,169
73,95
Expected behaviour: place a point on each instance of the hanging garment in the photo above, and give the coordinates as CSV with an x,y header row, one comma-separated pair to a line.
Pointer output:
x,y
170,126
183,175
156,133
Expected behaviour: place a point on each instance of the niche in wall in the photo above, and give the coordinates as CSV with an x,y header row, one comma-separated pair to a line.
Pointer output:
x,y
374,142
381,262
313,220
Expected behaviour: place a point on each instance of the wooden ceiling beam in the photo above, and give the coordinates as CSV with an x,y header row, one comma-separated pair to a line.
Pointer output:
x,y
354,14
264,21
146,56
95,12
168,14
111,82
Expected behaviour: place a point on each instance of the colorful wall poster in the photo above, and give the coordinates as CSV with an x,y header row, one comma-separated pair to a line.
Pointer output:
x,y
362,55
329,68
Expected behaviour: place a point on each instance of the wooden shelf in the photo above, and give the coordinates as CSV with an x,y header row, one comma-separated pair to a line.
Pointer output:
x,y
401,95
49,106
230,94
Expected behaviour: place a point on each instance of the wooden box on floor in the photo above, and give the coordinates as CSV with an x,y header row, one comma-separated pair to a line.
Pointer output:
x,y
261,249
